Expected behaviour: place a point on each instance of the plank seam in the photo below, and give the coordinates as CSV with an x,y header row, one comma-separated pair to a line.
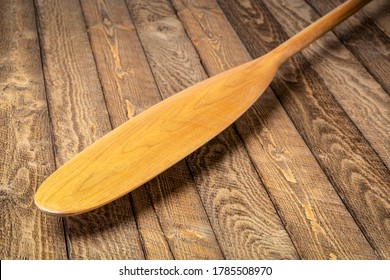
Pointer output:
x,y
97,71
204,208
262,184
141,240
67,239
51,129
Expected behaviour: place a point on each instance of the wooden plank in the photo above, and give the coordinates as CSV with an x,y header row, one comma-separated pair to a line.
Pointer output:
x,y
296,183
79,116
348,160
364,39
127,82
364,100
182,216
154,242
378,11
245,227
25,142
129,86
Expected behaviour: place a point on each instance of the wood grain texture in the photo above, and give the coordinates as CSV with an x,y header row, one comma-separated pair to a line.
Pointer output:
x,y
378,11
80,117
127,81
350,163
362,37
25,142
364,100
219,203
154,242
182,216
285,164
176,66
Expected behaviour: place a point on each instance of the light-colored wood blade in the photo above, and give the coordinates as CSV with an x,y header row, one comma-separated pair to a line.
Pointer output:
x,y
151,142
148,144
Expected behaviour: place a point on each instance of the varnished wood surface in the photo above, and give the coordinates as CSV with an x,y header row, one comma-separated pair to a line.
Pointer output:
x,y
304,174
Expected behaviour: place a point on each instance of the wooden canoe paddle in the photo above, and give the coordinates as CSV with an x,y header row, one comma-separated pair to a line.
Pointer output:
x,y
156,139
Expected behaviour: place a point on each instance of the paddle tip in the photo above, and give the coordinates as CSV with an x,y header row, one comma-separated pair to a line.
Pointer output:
x,y
50,208
49,211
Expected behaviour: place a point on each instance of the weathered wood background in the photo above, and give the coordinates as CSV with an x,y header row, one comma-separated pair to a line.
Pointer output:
x,y
304,174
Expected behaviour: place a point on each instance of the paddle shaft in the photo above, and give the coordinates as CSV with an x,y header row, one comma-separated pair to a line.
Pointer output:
x,y
314,31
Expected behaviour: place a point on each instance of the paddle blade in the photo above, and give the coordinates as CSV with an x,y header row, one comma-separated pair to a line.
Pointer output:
x,y
151,142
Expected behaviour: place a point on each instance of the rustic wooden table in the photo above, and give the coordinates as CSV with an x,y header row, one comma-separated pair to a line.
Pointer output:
x,y
304,174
